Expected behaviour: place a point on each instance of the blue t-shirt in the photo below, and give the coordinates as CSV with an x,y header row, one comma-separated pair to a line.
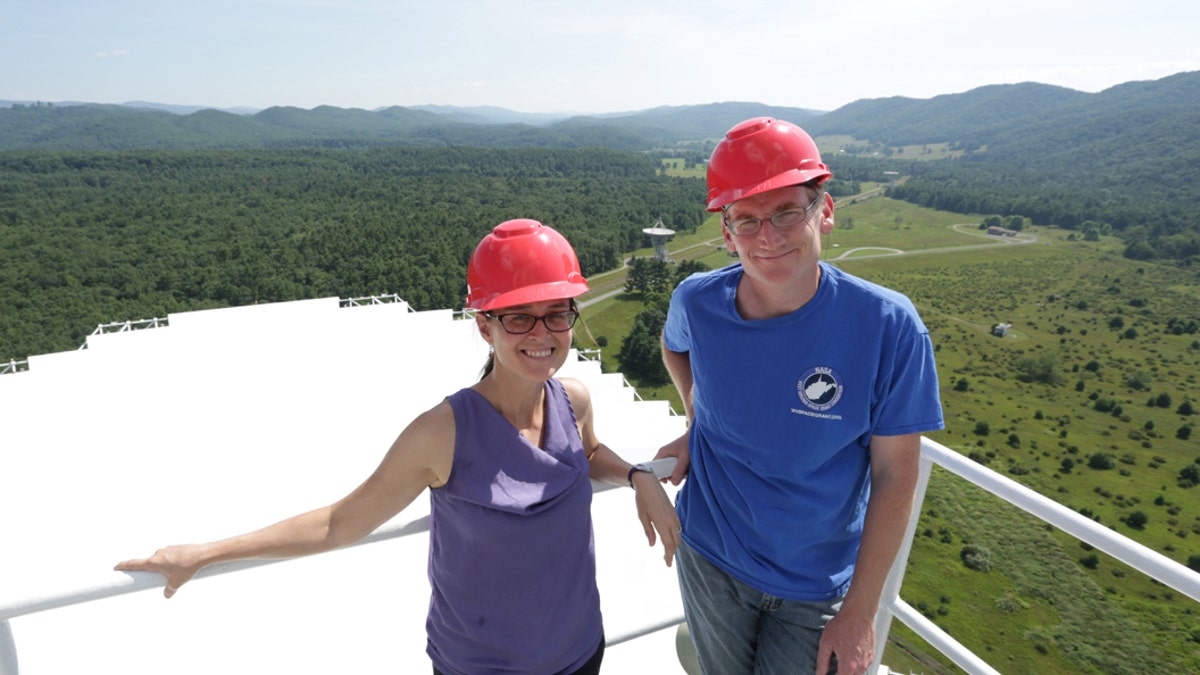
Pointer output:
x,y
784,410
511,557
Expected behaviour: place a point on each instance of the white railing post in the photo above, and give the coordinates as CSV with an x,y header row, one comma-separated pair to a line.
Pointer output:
x,y
8,650
1128,551
952,649
891,587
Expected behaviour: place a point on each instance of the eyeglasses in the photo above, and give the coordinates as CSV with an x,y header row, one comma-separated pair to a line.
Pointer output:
x,y
520,324
782,219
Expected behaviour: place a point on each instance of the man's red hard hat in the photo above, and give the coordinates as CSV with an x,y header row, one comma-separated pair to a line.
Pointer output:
x,y
762,154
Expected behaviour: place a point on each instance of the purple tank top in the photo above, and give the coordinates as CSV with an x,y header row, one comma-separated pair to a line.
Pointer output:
x,y
511,557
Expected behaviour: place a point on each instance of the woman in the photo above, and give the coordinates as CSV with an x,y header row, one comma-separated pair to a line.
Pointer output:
x,y
507,462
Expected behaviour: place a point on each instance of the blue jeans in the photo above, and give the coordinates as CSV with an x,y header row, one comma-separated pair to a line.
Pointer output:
x,y
739,630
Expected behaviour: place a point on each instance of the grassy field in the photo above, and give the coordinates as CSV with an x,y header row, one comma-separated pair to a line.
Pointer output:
x,y
1062,298
1097,324
829,145
677,166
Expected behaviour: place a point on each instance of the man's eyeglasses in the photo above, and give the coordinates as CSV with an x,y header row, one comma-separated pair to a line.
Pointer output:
x,y
520,324
783,219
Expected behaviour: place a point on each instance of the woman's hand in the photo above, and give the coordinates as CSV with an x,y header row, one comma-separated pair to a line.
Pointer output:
x,y
177,563
657,514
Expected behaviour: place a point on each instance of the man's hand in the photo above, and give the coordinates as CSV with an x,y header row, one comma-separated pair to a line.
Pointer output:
x,y
851,638
678,449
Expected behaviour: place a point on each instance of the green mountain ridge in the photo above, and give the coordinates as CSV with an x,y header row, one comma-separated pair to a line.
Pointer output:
x,y
1127,157
981,116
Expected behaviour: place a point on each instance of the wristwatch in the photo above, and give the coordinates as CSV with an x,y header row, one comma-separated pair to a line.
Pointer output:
x,y
645,468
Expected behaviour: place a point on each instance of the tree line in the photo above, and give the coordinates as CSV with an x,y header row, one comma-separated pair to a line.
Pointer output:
x,y
91,238
1154,208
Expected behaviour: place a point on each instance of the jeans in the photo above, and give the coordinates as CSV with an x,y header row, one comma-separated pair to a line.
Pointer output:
x,y
739,630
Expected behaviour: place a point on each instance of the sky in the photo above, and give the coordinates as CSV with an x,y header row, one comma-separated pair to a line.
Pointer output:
x,y
577,56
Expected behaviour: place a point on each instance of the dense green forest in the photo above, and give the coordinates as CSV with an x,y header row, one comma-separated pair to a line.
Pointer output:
x,y
91,238
1125,160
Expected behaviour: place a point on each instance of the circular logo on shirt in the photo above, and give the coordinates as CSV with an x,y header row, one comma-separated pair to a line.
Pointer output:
x,y
820,388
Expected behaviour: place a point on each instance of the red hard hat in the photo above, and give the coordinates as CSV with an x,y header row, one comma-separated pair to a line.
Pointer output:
x,y
520,262
758,155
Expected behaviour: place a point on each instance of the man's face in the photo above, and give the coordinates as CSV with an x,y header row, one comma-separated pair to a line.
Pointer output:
x,y
776,254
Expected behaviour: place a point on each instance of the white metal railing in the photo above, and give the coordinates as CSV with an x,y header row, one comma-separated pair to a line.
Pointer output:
x,y
595,355
14,366
589,354
111,584
126,326
386,299
1141,558
1147,561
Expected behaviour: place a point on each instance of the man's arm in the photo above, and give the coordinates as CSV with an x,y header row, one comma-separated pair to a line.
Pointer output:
x,y
895,466
679,366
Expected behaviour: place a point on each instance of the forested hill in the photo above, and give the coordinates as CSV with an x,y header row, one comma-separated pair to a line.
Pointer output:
x,y
114,127
987,117
1126,159
92,238
1128,156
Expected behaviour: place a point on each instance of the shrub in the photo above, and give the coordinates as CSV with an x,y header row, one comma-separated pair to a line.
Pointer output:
x,y
976,558
979,457
1189,476
1137,520
1043,368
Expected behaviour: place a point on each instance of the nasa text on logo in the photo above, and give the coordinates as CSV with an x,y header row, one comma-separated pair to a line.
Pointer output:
x,y
820,388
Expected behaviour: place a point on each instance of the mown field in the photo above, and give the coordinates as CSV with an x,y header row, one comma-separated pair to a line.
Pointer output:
x,y
1083,400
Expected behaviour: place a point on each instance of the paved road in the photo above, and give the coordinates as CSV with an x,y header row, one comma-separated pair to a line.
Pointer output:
x,y
596,281
967,229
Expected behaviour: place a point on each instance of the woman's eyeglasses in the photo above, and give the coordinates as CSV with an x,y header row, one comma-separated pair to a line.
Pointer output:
x,y
520,324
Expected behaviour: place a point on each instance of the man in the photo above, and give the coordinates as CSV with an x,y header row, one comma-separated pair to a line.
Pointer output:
x,y
807,390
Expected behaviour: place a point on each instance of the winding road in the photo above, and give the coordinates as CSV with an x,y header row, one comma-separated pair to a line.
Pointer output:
x,y
857,253
961,228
